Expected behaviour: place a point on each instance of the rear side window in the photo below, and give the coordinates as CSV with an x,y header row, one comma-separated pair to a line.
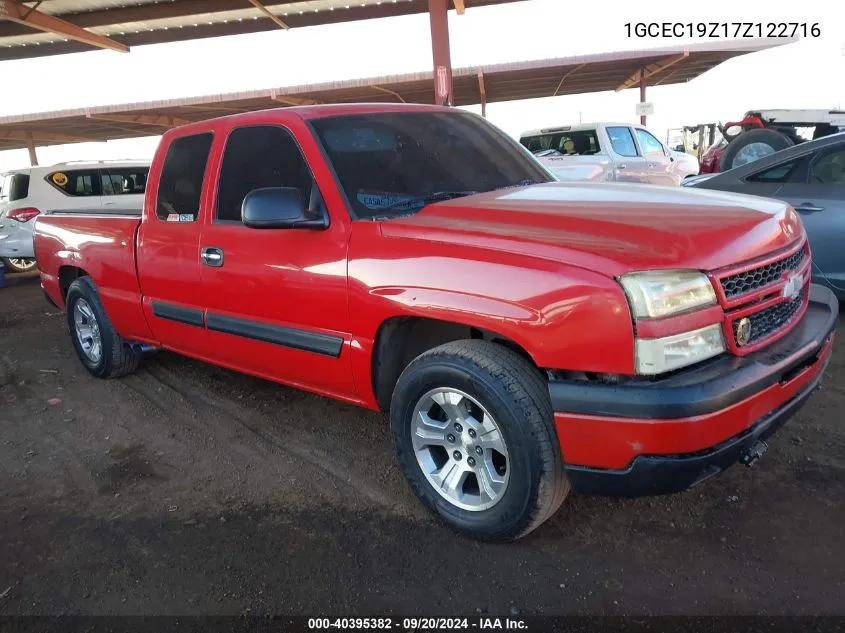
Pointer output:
x,y
579,142
180,187
622,141
120,181
76,182
14,187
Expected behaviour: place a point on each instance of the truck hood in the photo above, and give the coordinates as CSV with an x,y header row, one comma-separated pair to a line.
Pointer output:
x,y
611,228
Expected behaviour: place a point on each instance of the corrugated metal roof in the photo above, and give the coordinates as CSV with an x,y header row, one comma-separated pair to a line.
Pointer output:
x,y
502,82
137,22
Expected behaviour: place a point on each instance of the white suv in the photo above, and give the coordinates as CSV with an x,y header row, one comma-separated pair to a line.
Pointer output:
x,y
98,187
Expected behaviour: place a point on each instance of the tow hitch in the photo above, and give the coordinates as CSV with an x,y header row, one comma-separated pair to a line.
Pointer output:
x,y
754,453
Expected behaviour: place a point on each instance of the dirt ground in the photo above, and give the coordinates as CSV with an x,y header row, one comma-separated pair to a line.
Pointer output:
x,y
187,489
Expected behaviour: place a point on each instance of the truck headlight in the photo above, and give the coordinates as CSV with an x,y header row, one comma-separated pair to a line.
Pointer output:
x,y
665,292
659,355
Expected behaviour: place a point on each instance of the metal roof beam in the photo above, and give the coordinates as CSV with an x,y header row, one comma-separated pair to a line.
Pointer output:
x,y
14,11
278,21
141,119
294,101
390,92
42,137
651,70
152,12
459,6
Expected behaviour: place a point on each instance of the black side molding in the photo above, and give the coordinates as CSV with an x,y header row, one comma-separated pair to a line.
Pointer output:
x,y
168,311
324,344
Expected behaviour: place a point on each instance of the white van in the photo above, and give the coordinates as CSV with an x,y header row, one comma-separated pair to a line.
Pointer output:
x,y
93,186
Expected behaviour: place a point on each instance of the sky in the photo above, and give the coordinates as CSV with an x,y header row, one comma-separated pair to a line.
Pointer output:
x,y
806,74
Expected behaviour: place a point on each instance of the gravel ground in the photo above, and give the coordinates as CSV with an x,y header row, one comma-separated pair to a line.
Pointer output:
x,y
187,489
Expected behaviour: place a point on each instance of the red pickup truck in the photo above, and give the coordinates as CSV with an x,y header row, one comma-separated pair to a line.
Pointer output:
x,y
526,336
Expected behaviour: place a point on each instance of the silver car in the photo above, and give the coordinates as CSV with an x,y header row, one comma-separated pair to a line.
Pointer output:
x,y
811,177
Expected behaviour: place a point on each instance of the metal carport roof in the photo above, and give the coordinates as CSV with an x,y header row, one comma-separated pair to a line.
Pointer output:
x,y
53,27
472,85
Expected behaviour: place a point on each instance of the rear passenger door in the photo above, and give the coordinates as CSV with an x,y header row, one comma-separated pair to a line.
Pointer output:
x,y
629,166
168,247
275,299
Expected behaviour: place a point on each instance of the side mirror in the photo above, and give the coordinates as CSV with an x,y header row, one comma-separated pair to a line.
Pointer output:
x,y
278,208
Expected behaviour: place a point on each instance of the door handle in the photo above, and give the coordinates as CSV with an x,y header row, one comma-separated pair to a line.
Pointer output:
x,y
212,256
808,208
622,166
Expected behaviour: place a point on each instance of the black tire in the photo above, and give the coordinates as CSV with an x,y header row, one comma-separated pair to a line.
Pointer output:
x,y
515,393
13,267
118,358
774,139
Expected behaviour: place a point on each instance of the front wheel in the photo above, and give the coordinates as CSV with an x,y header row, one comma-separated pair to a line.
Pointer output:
x,y
474,435
100,348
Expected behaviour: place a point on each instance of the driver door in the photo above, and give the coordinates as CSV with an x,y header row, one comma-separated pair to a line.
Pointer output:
x,y
275,299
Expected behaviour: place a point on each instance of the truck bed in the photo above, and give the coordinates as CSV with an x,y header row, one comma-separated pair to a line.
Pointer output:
x,y
101,244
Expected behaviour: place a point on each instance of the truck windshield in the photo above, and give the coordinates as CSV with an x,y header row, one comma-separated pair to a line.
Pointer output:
x,y
394,163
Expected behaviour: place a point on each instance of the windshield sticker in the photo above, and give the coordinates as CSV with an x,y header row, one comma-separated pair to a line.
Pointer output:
x,y
172,217
59,179
378,200
186,217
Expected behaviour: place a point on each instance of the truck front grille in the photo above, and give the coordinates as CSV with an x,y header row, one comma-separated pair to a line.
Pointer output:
x,y
749,280
769,321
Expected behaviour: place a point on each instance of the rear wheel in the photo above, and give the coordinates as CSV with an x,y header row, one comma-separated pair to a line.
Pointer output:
x,y
100,348
20,265
474,435
753,145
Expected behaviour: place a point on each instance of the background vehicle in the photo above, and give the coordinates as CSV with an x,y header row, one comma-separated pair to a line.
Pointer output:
x,y
107,186
763,132
608,151
398,257
694,139
810,177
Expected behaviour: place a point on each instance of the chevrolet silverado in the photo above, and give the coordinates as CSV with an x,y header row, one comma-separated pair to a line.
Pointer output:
x,y
527,337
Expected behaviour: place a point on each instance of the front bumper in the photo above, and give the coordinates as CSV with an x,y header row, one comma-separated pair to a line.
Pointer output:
x,y
658,437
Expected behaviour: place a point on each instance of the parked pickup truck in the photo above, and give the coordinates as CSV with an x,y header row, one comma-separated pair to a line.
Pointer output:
x,y
526,336
609,152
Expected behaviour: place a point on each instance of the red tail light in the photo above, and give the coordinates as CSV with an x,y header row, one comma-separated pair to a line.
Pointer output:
x,y
23,215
